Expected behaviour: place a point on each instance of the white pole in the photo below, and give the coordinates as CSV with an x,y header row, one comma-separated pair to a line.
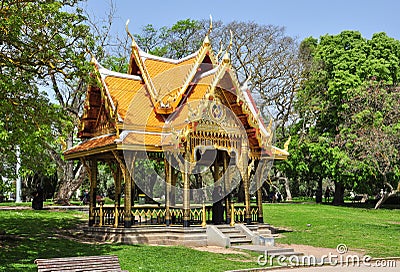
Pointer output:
x,y
18,181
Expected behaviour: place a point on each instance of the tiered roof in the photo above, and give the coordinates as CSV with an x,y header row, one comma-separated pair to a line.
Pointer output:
x,y
130,110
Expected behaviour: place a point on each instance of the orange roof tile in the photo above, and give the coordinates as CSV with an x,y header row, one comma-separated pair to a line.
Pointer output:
x,y
122,91
140,113
92,144
156,66
142,139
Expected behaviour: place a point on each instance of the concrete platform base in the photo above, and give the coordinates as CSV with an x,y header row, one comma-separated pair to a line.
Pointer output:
x,y
159,235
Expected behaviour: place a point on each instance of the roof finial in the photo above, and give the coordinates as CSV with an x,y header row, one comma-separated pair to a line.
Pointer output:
x,y
220,50
206,39
230,41
245,85
210,27
226,55
129,33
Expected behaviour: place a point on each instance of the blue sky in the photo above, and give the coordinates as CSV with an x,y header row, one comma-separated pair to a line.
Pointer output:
x,y
302,18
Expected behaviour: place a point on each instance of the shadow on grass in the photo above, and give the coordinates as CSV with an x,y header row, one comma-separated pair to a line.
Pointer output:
x,y
31,235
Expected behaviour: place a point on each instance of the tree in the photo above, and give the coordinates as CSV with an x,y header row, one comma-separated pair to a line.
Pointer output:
x,y
340,65
370,134
177,41
43,45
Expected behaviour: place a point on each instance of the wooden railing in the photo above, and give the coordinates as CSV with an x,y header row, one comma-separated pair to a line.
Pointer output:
x,y
153,215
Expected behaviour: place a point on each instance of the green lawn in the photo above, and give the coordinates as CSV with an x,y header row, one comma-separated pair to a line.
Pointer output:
x,y
41,234
375,231
45,234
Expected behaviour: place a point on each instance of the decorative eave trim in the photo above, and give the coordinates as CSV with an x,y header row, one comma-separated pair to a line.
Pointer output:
x,y
104,72
90,152
105,92
135,55
279,154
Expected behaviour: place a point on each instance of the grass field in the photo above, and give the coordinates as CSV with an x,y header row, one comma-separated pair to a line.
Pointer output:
x,y
43,234
46,234
375,231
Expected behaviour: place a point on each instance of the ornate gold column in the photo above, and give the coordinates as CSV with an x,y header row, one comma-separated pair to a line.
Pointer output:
x,y
227,184
186,189
174,177
246,183
130,168
92,169
117,194
168,178
118,178
128,185
259,195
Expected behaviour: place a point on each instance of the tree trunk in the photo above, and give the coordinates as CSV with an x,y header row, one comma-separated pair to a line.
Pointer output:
x,y
387,195
70,175
69,183
338,198
318,195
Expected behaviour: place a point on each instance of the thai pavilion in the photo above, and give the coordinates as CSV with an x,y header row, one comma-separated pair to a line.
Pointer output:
x,y
174,130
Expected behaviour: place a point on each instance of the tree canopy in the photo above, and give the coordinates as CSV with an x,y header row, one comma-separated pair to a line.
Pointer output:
x,y
346,108
42,50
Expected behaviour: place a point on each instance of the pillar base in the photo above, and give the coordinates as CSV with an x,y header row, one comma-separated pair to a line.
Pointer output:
x,y
228,220
91,222
168,222
248,221
260,220
186,223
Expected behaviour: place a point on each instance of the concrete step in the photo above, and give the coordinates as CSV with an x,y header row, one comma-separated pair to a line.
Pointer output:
x,y
240,241
225,227
229,230
237,236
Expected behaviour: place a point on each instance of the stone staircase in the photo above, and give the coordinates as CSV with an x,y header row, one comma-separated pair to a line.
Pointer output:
x,y
240,234
235,235
257,237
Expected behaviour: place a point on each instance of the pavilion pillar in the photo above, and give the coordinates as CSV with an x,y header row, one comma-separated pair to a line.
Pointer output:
x,y
168,178
186,190
92,169
117,175
259,196
246,184
174,177
118,181
227,186
259,205
126,171
128,191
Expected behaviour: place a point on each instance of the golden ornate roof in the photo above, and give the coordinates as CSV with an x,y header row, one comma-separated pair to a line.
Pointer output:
x,y
139,105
